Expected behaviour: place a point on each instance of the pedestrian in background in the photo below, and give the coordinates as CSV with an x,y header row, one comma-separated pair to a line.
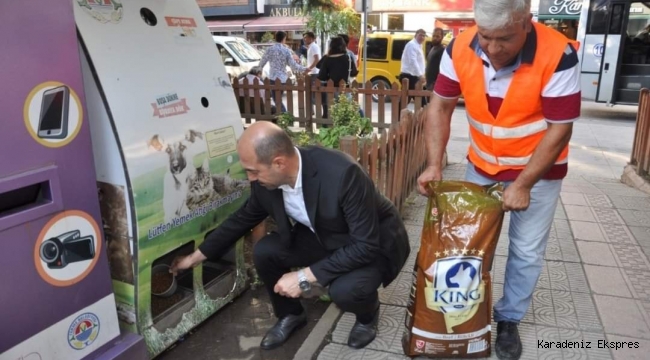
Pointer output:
x,y
413,67
337,65
280,56
433,58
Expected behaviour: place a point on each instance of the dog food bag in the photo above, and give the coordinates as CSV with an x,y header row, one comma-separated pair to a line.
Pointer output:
x,y
449,309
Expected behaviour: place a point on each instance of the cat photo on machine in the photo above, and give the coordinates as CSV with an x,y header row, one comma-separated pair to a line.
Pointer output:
x,y
186,187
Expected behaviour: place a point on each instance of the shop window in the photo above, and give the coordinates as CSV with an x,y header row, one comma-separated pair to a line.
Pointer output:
x,y
377,48
395,21
374,20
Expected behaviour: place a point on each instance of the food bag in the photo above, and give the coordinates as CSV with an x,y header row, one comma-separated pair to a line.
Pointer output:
x,y
450,305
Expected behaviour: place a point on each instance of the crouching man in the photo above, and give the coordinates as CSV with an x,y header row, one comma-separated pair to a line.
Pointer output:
x,y
331,220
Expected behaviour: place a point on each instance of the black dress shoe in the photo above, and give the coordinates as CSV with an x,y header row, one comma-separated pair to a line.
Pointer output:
x,y
281,331
508,344
363,334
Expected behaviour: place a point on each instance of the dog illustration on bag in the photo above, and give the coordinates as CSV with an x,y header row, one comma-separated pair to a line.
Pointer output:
x,y
456,288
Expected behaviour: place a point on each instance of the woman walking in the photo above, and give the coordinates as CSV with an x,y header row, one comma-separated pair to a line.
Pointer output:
x,y
337,65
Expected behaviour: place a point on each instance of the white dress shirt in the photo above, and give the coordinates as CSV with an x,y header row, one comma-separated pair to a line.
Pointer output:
x,y
413,59
294,201
314,49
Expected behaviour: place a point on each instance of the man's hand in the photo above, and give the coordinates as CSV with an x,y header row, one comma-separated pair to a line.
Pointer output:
x,y
288,285
431,173
186,262
516,197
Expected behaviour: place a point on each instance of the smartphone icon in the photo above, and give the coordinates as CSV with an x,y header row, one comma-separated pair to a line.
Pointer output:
x,y
53,120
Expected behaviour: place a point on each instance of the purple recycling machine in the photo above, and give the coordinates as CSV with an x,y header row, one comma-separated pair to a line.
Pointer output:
x,y
57,298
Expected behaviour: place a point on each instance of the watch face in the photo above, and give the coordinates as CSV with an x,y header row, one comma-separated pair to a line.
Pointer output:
x,y
305,286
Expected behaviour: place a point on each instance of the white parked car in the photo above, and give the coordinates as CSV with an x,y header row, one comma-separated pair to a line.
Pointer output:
x,y
239,57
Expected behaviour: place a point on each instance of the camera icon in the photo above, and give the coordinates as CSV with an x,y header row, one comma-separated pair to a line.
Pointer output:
x,y
59,251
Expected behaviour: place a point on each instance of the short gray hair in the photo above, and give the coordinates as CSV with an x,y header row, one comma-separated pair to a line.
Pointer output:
x,y
496,14
275,143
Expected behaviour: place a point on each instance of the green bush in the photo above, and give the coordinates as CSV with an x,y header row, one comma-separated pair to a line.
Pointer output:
x,y
347,122
303,138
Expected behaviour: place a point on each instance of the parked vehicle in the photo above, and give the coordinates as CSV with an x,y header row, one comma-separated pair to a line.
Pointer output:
x,y
614,49
239,56
384,56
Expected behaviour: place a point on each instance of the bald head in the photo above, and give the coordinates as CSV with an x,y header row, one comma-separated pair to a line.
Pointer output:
x,y
267,141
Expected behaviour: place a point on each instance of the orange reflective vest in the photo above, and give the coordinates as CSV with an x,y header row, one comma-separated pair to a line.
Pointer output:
x,y
507,142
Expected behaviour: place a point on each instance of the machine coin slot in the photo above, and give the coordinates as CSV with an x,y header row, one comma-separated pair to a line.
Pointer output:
x,y
606,66
28,196
24,198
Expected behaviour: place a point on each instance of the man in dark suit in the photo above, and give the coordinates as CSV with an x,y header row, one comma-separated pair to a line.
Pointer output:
x,y
434,57
331,220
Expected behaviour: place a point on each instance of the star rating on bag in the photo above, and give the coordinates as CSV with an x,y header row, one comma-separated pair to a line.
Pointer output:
x,y
456,252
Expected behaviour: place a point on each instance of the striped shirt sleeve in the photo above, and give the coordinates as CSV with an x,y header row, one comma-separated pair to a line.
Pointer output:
x,y
447,85
561,97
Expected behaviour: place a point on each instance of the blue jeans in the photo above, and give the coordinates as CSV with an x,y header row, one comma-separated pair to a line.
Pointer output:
x,y
528,233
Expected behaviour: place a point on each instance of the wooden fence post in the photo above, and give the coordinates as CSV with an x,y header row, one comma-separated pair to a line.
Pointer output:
x,y
405,94
350,146
309,89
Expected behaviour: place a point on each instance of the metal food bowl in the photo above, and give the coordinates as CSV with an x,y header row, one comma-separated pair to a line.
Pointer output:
x,y
164,268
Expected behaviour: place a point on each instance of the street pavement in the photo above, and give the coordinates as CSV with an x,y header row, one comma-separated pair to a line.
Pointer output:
x,y
595,285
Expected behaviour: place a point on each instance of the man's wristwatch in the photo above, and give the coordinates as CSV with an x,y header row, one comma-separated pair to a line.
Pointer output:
x,y
304,284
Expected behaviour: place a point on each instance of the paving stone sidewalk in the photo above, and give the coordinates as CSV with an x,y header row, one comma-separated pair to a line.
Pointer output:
x,y
595,284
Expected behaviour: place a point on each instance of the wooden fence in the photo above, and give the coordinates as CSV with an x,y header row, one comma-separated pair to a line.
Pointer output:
x,y
258,106
395,157
641,146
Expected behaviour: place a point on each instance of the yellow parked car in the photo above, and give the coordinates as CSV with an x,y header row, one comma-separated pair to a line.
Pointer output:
x,y
384,53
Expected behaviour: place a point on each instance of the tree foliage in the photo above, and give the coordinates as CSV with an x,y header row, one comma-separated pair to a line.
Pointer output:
x,y
330,17
268,37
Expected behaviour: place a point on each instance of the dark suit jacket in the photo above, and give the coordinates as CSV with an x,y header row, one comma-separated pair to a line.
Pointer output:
x,y
350,217
433,65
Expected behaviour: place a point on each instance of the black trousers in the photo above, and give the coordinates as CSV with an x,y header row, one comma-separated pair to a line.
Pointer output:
x,y
354,292
412,81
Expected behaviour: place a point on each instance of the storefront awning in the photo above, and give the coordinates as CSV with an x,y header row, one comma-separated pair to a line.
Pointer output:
x,y
258,24
227,25
275,24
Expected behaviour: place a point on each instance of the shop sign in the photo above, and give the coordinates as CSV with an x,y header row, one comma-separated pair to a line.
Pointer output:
x,y
282,11
639,9
560,7
423,5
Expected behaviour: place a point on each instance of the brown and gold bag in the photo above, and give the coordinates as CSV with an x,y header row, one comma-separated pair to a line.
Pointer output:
x,y
450,306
